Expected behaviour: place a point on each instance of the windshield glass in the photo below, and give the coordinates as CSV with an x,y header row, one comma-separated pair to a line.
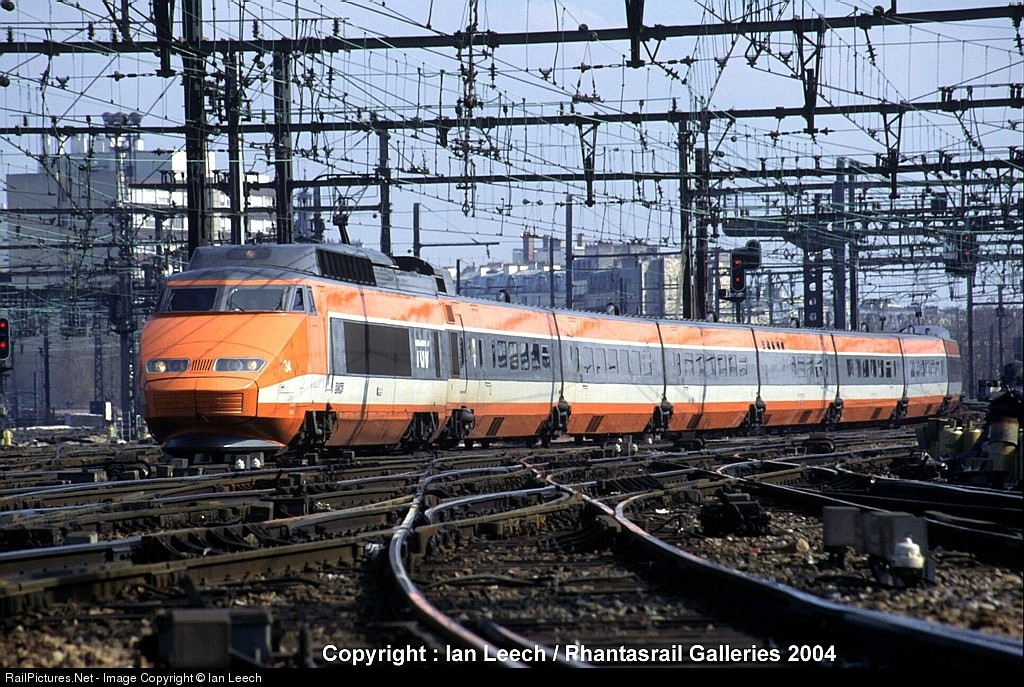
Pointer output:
x,y
255,298
191,299
233,299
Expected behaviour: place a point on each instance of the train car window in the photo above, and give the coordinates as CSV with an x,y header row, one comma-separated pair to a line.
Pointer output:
x,y
675,365
586,359
731,362
742,366
889,369
337,346
535,356
310,303
374,349
524,355
574,358
261,298
190,299
513,356
545,357
298,301
723,368
710,367
646,363
600,360
455,344
502,354
436,336
476,350
689,369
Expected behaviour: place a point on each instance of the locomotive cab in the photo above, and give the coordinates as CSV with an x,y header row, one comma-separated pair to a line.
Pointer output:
x,y
221,364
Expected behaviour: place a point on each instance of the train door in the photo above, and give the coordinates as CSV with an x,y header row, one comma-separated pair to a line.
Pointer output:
x,y
828,375
684,382
468,388
727,366
302,300
368,361
347,391
901,377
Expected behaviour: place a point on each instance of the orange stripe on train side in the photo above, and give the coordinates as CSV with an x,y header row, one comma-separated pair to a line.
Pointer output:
x,y
680,334
923,347
866,345
863,410
406,309
502,318
792,341
736,337
638,332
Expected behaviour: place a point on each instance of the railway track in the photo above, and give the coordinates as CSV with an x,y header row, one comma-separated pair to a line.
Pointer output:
x,y
593,552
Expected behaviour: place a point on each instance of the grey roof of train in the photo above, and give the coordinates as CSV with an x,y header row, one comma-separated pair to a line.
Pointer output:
x,y
300,257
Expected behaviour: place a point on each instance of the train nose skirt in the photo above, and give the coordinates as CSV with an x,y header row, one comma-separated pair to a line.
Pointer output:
x,y
219,443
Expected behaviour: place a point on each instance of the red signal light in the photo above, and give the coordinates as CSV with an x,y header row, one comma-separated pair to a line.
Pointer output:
x,y
5,338
738,277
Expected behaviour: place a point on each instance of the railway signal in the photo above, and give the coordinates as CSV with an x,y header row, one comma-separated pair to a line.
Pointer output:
x,y
740,260
962,252
966,249
737,277
5,338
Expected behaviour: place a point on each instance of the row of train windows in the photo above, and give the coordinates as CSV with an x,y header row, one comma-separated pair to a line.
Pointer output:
x,y
925,369
870,368
506,354
806,367
518,355
592,360
714,365
524,355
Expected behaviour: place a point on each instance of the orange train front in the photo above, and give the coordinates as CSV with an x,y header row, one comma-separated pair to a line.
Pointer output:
x,y
258,349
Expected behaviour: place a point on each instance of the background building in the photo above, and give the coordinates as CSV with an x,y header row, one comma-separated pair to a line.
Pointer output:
x,y
86,242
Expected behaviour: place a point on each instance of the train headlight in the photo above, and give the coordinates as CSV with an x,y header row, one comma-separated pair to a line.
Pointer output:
x,y
162,365
238,364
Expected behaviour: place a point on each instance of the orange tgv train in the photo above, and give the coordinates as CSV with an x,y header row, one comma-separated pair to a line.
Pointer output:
x,y
261,349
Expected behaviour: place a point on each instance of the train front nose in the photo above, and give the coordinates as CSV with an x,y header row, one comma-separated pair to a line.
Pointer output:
x,y
208,414
219,398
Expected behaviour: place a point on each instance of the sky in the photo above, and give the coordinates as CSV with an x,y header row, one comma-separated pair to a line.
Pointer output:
x,y
481,222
